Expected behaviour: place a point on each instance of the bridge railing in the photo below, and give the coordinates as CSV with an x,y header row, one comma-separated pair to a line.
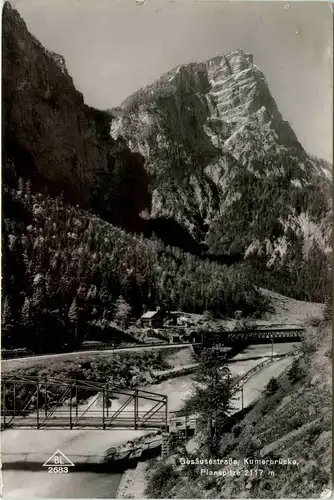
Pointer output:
x,y
246,376
243,378
179,422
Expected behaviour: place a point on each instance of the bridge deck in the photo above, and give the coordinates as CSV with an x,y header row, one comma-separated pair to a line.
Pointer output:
x,y
86,423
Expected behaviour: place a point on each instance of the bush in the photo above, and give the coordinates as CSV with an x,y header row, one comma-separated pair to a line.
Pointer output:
x,y
160,481
313,321
296,372
248,447
329,353
237,430
272,387
307,348
269,404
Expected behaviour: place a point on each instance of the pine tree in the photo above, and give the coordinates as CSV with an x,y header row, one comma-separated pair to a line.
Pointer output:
x,y
27,323
122,312
211,398
329,304
25,313
7,323
74,317
272,386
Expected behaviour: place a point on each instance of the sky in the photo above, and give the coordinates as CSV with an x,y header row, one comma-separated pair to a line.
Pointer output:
x,y
114,47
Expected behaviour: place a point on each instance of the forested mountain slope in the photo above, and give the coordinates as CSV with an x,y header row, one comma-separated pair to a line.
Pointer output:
x,y
67,273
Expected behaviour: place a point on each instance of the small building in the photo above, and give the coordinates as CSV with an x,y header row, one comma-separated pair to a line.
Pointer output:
x,y
153,319
179,318
191,337
172,318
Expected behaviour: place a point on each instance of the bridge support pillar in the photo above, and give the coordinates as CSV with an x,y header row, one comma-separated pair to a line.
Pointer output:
x,y
37,404
165,445
3,389
104,404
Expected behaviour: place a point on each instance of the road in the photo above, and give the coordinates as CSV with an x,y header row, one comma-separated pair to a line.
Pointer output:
x,y
264,350
253,388
44,359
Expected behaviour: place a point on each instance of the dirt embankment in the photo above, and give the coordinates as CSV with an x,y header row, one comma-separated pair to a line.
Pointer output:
x,y
287,311
133,482
181,357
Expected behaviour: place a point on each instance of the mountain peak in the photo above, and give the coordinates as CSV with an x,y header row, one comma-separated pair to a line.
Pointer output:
x,y
233,93
235,57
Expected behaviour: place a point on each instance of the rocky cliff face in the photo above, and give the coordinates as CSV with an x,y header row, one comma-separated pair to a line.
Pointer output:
x,y
53,138
222,161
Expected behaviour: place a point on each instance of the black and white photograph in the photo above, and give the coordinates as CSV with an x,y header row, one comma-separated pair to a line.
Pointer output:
x,y
166,299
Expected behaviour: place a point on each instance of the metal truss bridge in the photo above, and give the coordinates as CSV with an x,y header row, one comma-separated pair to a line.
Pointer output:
x,y
32,402
252,337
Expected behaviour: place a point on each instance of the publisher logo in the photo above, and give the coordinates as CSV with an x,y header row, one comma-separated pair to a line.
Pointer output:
x,y
58,463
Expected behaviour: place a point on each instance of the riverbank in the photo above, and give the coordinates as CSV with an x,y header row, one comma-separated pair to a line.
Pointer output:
x,y
54,360
133,482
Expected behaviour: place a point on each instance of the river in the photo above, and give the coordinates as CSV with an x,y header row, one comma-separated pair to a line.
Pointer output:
x,y
27,484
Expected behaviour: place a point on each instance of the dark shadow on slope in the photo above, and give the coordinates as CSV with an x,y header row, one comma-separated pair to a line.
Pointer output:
x,y
173,234
227,259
